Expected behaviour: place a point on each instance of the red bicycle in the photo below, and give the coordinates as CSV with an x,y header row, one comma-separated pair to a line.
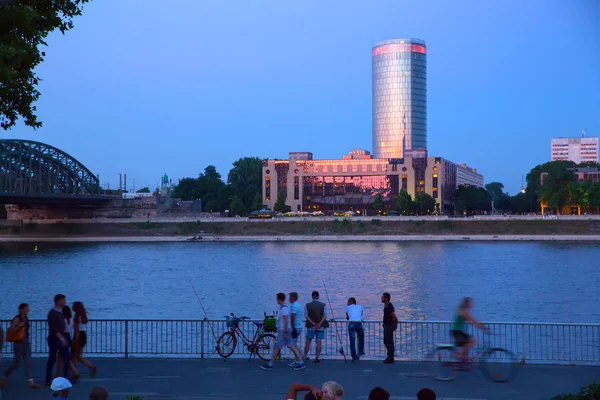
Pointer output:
x,y
260,345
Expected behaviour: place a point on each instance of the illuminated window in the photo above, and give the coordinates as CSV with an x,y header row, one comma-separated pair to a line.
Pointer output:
x,y
435,168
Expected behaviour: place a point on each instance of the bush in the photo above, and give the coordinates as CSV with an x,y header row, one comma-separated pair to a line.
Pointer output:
x,y
588,392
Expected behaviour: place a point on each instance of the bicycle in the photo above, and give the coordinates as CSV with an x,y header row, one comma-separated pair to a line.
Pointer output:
x,y
259,346
497,364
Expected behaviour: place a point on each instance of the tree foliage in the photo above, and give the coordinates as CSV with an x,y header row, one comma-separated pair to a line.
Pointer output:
x,y
403,202
246,179
476,200
280,204
236,207
424,204
144,190
24,27
257,204
378,202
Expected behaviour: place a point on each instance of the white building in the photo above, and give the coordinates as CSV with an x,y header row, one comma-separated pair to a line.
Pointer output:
x,y
578,150
468,176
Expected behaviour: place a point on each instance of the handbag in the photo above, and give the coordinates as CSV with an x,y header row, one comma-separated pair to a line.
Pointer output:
x,y
15,336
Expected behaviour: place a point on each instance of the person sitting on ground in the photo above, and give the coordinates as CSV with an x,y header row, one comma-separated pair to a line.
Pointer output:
x,y
329,391
426,394
98,393
379,393
60,388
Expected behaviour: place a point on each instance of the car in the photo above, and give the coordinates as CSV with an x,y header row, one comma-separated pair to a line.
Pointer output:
x,y
393,214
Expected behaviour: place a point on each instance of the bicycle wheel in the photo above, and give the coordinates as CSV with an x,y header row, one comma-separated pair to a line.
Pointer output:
x,y
499,365
444,363
226,344
265,345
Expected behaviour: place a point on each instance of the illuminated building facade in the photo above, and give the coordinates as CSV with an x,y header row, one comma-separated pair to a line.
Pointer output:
x,y
578,150
353,182
399,74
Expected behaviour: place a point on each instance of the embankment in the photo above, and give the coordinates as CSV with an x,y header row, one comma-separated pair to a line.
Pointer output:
x,y
311,228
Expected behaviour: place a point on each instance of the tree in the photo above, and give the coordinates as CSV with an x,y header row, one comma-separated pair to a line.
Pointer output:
x,y
144,190
461,207
553,168
257,204
185,189
280,204
156,191
424,204
236,207
23,29
501,199
403,202
246,179
475,199
378,202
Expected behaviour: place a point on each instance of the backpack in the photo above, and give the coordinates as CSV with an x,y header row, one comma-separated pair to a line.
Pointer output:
x,y
270,323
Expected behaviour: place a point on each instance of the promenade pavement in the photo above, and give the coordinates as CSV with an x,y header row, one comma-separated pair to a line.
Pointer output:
x,y
180,379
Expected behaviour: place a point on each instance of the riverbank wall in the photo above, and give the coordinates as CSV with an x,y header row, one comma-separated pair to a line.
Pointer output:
x,y
346,229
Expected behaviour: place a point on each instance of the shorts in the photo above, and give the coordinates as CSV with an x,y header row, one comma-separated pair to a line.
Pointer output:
x,y
299,332
310,334
82,339
282,341
460,338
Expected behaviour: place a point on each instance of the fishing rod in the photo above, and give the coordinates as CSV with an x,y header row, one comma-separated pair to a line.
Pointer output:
x,y
335,324
205,315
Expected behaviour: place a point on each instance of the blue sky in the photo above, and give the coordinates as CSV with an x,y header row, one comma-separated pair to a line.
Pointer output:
x,y
148,87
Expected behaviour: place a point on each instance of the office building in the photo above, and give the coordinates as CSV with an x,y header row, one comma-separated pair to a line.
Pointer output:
x,y
399,71
351,183
578,150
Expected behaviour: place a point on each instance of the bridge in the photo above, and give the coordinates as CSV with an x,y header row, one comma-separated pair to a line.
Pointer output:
x,y
34,173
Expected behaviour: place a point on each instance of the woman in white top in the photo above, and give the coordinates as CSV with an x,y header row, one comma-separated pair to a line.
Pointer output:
x,y
68,314
80,337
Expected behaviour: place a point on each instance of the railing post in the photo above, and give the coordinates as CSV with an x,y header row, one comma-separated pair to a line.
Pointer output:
x,y
523,354
126,339
202,339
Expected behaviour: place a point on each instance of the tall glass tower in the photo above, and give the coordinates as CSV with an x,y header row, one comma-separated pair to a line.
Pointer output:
x,y
399,97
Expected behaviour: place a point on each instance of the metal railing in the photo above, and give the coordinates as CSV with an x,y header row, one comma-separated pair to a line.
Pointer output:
x,y
531,342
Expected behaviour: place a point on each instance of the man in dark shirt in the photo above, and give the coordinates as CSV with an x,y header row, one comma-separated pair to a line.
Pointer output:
x,y
56,339
390,323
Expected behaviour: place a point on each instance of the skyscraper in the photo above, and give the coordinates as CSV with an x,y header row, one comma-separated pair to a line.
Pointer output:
x,y
399,97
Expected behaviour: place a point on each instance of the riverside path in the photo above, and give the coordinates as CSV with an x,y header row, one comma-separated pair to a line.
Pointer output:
x,y
215,379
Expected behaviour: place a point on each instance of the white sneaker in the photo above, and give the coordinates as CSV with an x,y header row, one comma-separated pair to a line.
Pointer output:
x,y
293,364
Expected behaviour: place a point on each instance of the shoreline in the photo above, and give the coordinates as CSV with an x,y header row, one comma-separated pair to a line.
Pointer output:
x,y
302,238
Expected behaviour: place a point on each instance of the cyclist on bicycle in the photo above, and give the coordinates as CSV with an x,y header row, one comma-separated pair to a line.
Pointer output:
x,y
461,339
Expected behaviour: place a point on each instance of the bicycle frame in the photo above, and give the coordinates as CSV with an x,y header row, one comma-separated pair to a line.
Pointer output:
x,y
237,332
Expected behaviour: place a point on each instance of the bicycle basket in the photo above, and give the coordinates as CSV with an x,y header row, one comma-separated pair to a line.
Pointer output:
x,y
232,322
270,323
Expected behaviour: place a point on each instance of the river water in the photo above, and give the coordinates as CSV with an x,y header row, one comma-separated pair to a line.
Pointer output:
x,y
521,282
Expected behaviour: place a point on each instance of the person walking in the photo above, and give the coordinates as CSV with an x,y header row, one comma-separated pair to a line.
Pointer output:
x,y
18,333
284,336
56,339
68,314
296,315
316,322
80,337
390,324
354,314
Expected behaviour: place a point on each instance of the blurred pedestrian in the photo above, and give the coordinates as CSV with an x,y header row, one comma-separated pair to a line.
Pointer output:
x,y
296,316
18,334
60,388
426,394
390,324
284,336
354,314
316,322
68,314
80,337
57,342
98,393
379,393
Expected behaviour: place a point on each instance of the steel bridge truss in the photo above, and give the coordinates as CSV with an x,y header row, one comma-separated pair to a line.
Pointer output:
x,y
28,167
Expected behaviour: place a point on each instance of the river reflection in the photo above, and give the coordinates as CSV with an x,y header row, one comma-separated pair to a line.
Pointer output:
x,y
537,282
